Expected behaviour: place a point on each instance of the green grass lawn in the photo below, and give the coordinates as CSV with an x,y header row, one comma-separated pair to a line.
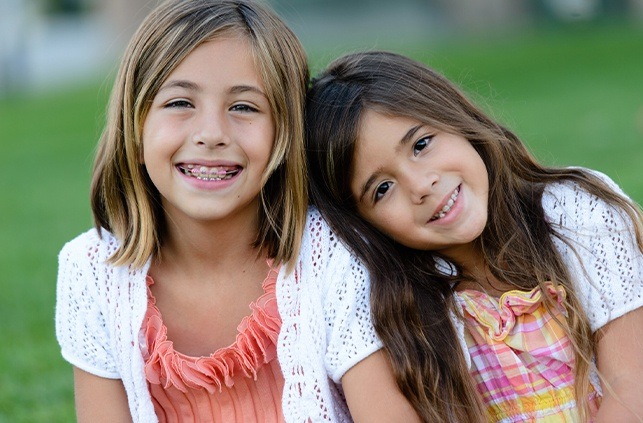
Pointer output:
x,y
45,155
574,95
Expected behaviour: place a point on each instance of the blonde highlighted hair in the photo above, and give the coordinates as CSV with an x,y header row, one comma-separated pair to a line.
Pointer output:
x,y
123,198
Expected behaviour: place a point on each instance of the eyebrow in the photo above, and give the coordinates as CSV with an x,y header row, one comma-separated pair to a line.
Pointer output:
x,y
191,86
237,89
188,85
408,136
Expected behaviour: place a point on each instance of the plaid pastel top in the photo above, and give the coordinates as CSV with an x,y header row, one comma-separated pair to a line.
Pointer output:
x,y
521,359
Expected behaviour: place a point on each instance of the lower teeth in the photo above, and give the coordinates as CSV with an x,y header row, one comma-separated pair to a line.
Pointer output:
x,y
215,178
441,214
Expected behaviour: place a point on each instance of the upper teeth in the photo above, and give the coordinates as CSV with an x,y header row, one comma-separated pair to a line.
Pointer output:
x,y
447,206
206,173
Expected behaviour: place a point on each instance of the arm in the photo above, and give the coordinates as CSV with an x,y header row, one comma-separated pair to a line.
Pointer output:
x,y
372,393
620,361
99,399
338,293
84,328
607,266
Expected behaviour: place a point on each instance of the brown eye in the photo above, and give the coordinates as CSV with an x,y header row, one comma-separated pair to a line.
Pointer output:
x,y
178,104
381,190
421,144
242,108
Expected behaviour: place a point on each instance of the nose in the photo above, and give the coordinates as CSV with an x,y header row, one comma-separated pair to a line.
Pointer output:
x,y
421,185
210,130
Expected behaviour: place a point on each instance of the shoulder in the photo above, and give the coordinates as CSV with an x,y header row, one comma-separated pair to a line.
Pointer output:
x,y
568,206
99,306
331,292
91,245
316,225
84,268
327,257
84,299
320,242
597,242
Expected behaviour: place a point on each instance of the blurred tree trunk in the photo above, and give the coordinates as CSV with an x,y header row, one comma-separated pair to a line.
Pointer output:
x,y
481,14
14,21
636,6
124,16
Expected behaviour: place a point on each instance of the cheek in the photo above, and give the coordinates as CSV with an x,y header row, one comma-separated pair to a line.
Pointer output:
x,y
143,136
388,223
261,154
146,143
259,140
159,142
478,225
146,150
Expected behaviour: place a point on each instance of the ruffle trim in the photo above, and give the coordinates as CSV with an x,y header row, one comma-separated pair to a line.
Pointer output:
x,y
499,318
255,345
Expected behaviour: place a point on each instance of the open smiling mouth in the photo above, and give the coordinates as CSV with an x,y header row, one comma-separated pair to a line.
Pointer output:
x,y
447,206
206,173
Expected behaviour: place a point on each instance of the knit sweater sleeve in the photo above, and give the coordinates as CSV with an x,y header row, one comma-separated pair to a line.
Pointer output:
x,y
603,257
350,333
81,326
326,326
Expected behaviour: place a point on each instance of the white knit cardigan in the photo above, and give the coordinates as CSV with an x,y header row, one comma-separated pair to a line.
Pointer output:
x,y
606,264
324,306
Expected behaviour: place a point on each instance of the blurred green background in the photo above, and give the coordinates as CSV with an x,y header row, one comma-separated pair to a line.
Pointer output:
x,y
571,88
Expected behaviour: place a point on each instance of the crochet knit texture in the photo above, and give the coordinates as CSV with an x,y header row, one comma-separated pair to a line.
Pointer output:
x,y
324,307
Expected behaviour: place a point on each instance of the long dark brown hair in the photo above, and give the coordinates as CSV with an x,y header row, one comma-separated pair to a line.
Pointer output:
x,y
411,299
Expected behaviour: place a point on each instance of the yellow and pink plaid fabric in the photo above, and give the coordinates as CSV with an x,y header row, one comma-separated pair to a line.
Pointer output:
x,y
522,361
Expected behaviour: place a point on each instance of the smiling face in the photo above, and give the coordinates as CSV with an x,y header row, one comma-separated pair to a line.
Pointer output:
x,y
424,188
209,134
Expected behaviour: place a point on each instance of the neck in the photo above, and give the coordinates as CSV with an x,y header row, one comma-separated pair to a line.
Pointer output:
x,y
476,271
468,256
202,249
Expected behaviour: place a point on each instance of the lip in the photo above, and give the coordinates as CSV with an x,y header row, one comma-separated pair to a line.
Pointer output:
x,y
208,163
452,211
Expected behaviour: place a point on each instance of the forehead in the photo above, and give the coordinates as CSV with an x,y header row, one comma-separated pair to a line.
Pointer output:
x,y
229,55
379,133
378,144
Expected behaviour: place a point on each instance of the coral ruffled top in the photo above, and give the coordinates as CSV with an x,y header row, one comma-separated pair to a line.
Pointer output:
x,y
239,383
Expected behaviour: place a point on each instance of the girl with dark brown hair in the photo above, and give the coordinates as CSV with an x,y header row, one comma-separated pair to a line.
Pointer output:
x,y
503,289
